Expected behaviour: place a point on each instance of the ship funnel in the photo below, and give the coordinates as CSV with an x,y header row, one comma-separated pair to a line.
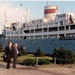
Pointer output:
x,y
49,12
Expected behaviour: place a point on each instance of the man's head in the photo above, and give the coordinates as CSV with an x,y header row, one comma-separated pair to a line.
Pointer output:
x,y
10,43
15,44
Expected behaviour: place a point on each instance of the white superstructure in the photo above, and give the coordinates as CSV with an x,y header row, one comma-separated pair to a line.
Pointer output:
x,y
53,25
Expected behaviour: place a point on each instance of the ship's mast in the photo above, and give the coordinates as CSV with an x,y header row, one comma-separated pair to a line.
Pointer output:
x,y
5,16
5,19
27,15
23,12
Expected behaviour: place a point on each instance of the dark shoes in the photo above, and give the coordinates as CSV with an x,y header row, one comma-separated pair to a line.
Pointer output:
x,y
7,68
14,66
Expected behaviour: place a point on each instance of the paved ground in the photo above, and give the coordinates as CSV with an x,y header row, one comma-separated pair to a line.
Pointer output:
x,y
24,70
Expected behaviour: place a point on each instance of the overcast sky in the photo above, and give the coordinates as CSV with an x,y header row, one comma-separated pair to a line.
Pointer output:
x,y
14,12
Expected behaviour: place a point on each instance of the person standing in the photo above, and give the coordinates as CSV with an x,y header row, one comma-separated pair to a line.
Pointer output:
x,y
15,54
9,53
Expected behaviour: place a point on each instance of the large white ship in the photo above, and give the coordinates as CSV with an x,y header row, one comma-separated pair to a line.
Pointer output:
x,y
55,30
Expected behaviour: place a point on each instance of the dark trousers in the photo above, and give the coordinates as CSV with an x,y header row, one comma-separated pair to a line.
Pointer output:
x,y
8,61
15,61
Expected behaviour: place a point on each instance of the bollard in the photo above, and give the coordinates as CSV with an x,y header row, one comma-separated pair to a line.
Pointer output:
x,y
21,59
54,61
36,61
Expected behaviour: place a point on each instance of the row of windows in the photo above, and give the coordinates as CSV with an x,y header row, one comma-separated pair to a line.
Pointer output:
x,y
16,32
33,21
44,30
45,25
62,15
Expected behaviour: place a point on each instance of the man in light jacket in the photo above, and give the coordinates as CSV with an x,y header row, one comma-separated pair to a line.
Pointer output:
x,y
15,49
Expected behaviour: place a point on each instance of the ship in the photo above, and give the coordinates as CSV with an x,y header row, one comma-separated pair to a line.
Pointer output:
x,y
55,30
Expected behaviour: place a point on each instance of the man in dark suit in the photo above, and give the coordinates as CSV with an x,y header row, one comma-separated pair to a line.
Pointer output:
x,y
9,53
15,54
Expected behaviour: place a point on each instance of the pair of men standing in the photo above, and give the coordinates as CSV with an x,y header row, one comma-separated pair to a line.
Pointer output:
x,y
11,52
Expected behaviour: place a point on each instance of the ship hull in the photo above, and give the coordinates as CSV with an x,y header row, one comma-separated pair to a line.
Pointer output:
x,y
46,45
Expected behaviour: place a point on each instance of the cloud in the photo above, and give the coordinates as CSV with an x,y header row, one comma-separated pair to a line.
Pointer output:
x,y
12,14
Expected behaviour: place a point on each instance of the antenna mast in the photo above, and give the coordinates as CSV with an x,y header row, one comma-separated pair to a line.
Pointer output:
x,y
68,14
47,3
68,8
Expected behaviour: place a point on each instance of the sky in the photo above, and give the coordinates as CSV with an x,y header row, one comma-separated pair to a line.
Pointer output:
x,y
14,12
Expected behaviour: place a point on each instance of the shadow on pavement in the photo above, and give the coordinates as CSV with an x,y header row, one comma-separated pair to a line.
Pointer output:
x,y
40,70
28,68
